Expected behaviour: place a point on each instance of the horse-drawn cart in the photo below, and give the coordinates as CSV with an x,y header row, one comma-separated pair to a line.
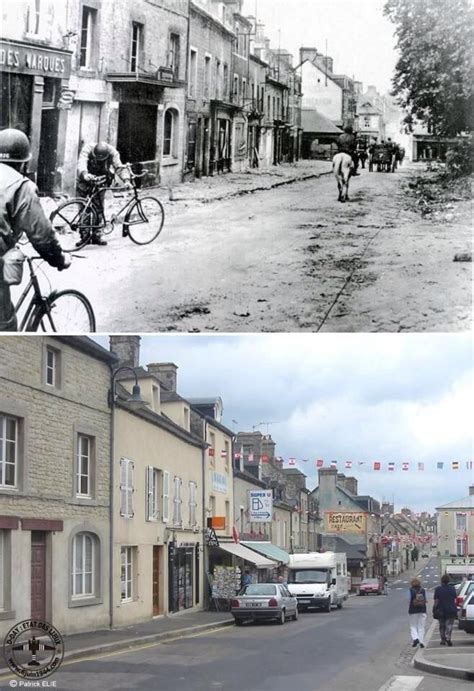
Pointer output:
x,y
381,158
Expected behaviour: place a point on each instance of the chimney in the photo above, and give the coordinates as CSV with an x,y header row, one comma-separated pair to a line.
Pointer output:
x,y
471,490
166,373
127,349
308,54
328,496
351,485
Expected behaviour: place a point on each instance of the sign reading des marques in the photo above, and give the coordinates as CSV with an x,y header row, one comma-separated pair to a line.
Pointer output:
x,y
260,506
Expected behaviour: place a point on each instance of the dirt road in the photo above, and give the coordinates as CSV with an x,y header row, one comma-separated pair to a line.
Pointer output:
x,y
291,259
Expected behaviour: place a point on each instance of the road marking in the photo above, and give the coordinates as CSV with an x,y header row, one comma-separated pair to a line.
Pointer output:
x,y
400,683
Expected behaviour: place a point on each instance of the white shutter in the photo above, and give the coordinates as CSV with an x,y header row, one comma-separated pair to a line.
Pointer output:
x,y
123,486
166,496
175,500
179,502
130,489
149,493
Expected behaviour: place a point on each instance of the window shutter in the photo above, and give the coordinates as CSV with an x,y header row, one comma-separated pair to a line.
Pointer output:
x,y
148,490
166,496
123,486
130,489
180,482
2,568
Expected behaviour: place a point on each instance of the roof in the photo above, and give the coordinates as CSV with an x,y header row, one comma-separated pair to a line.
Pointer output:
x,y
353,550
293,471
248,477
269,550
465,503
313,121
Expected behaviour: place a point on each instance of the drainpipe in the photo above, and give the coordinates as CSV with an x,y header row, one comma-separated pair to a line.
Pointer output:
x,y
186,78
111,510
205,556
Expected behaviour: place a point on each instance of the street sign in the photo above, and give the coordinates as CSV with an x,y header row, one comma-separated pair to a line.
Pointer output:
x,y
260,506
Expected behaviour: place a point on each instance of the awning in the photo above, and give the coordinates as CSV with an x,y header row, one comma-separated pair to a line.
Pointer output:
x,y
269,550
239,550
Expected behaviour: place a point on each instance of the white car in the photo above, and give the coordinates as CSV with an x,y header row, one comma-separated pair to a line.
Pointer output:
x,y
466,616
463,593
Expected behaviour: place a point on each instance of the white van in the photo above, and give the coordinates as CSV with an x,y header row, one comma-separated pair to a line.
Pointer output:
x,y
318,579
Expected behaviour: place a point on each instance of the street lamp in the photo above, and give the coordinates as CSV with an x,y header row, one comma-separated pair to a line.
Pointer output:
x,y
135,401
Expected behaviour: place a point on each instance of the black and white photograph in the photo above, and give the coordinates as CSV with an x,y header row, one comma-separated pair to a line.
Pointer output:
x,y
236,345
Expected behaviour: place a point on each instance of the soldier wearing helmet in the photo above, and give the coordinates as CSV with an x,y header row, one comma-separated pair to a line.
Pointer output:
x,y
99,160
21,212
347,143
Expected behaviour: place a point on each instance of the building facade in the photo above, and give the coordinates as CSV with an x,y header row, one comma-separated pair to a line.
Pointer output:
x,y
456,527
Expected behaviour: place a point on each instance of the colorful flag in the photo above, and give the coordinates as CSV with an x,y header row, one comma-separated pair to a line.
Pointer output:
x,y
440,465
212,452
265,458
223,453
405,466
348,464
319,463
292,461
237,456
455,465
391,465
250,458
377,465
333,464
421,466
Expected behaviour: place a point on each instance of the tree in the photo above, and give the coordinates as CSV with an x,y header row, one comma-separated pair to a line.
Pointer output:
x,y
433,77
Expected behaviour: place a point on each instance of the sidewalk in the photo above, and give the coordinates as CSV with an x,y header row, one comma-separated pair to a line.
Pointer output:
x,y
220,187
160,629
457,662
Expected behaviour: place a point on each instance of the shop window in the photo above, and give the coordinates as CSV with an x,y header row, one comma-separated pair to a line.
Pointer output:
x,y
16,101
173,54
136,46
170,134
88,22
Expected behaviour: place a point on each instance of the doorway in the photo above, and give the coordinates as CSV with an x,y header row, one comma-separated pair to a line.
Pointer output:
x,y
38,575
156,580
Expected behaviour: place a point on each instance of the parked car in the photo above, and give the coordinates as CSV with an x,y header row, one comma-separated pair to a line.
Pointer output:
x,y
371,585
264,601
463,593
466,615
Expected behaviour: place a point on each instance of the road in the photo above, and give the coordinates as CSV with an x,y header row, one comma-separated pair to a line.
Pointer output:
x,y
290,259
362,647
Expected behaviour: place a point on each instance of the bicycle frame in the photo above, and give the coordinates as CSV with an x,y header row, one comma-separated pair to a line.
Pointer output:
x,y
37,299
94,201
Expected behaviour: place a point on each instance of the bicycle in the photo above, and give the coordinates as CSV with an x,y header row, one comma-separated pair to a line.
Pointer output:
x,y
75,220
64,311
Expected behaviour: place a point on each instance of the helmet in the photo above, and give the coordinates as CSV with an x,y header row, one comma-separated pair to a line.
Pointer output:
x,y
14,146
348,129
101,151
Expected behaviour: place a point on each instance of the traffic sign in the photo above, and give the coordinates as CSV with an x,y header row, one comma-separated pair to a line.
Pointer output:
x,y
260,506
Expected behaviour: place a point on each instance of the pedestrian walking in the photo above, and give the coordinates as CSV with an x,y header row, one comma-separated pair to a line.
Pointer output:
x,y
445,610
385,585
246,578
417,613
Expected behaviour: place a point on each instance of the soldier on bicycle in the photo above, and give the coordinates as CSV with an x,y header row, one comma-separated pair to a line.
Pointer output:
x,y
99,160
21,212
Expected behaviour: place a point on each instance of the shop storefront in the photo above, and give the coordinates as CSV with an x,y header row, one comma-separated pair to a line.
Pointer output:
x,y
35,99
221,148
183,575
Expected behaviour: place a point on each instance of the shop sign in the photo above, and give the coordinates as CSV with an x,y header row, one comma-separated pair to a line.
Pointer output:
x,y
345,521
187,545
25,59
65,100
219,482
260,506
211,538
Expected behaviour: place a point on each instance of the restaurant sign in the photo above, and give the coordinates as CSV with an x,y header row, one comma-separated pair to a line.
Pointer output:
x,y
27,59
345,521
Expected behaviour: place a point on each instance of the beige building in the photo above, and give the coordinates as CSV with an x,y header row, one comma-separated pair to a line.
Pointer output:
x,y
158,480
456,527
54,482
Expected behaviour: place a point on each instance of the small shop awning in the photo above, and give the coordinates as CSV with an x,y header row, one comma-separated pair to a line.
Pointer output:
x,y
238,550
269,550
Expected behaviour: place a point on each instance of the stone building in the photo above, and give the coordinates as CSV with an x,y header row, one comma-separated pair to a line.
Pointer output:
x,y
54,482
456,527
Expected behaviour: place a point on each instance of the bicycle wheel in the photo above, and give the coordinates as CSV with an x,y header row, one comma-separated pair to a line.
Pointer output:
x,y
72,223
67,311
144,220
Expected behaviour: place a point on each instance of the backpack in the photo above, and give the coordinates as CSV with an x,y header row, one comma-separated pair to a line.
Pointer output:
x,y
419,599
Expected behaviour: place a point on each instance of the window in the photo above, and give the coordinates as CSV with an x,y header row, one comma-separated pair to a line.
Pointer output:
x,y
126,488
173,54
177,501
84,466
192,504
137,37
460,547
8,451
83,565
192,73
218,91
170,132
86,39
461,521
212,449
152,483
227,456
226,82
207,77
244,88
227,515
236,86
126,573
33,17
166,496
212,505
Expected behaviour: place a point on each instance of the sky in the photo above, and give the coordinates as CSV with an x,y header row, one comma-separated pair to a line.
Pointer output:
x,y
358,397
359,38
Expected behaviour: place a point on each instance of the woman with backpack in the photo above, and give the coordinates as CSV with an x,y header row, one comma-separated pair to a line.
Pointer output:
x,y
417,613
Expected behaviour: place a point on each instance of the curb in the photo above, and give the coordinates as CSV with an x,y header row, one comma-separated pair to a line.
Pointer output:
x,y
136,642
441,670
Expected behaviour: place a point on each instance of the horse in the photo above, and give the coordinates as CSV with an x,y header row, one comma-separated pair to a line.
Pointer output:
x,y
342,166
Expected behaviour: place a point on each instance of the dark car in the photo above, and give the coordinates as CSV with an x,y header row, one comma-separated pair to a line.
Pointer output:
x,y
371,586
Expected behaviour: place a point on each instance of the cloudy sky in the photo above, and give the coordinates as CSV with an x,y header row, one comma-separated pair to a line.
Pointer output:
x,y
359,37
353,397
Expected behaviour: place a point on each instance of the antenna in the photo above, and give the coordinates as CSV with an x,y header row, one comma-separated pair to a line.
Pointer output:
x,y
266,424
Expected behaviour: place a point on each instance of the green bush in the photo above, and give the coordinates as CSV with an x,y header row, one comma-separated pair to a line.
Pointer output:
x,y
459,158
